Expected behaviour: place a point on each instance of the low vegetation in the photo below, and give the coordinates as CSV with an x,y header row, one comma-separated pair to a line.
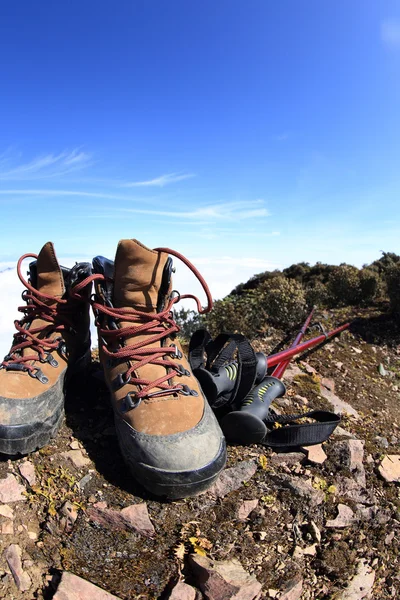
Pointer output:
x,y
282,298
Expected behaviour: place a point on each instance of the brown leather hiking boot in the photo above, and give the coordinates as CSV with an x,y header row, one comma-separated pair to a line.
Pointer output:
x,y
52,341
167,432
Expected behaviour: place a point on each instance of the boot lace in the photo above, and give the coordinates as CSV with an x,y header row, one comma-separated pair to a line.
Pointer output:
x,y
161,324
39,339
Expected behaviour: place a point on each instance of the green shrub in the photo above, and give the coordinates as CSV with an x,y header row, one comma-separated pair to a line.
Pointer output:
x,y
344,286
393,287
282,301
318,295
371,285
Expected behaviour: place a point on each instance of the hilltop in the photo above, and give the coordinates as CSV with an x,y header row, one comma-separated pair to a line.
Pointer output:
x,y
309,525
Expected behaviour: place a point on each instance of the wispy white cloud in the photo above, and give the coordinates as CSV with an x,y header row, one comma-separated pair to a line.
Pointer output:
x,y
226,211
390,32
42,167
161,181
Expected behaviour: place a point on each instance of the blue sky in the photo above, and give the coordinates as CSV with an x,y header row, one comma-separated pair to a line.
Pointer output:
x,y
246,134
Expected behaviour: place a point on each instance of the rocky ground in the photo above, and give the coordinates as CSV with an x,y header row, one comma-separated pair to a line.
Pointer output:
x,y
317,523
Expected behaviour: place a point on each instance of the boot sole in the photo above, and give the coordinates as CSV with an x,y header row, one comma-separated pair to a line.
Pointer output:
x,y
177,484
29,437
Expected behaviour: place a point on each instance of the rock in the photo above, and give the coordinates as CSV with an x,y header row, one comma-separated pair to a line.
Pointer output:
x,y
340,432
7,528
310,550
301,488
349,454
381,441
381,370
291,373
345,518
138,518
224,580
288,458
246,508
72,587
74,445
76,457
183,591
315,454
293,589
13,557
315,532
6,511
308,368
329,384
361,584
233,478
389,468
27,471
82,483
11,490
300,399
389,538
131,520
338,365
69,514
356,350
355,491
338,404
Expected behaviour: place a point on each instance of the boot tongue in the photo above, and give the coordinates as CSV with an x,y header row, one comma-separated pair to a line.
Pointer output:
x,y
50,279
138,276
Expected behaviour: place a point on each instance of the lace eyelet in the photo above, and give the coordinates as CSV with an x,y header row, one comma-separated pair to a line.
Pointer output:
x,y
130,402
38,374
178,354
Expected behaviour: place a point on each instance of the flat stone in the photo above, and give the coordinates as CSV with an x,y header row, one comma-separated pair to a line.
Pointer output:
x,y
338,404
72,587
361,584
308,368
7,528
293,589
74,445
329,384
183,591
246,508
345,518
6,511
131,520
310,550
291,373
340,432
27,471
11,490
315,454
301,488
77,458
389,468
286,458
338,365
233,478
224,580
138,518
13,557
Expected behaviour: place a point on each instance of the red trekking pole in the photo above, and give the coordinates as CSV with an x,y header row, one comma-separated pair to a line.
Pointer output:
x,y
247,425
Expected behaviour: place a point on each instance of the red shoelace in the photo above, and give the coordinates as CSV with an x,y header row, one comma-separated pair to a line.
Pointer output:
x,y
161,324
54,313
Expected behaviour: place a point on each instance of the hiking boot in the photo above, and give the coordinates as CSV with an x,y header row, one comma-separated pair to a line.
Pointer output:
x,y
167,432
52,341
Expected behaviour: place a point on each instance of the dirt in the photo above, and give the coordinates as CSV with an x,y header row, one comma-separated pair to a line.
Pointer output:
x,y
132,566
